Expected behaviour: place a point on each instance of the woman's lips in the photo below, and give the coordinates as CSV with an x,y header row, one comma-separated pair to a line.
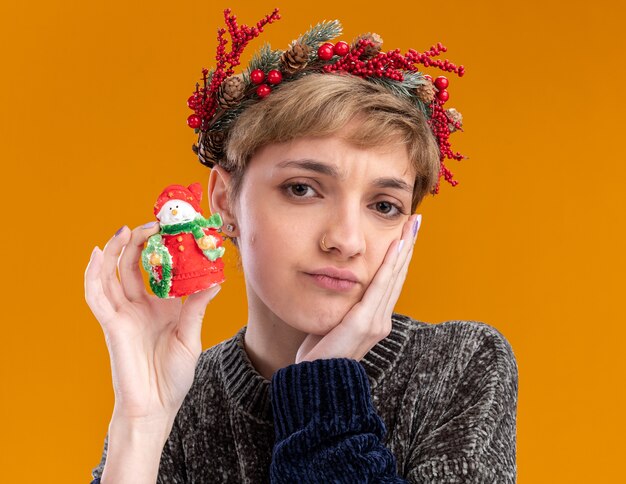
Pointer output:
x,y
331,282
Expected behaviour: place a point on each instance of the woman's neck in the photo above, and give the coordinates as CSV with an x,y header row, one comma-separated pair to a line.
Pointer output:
x,y
270,343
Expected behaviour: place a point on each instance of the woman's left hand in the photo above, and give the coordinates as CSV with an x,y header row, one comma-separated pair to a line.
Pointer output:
x,y
369,321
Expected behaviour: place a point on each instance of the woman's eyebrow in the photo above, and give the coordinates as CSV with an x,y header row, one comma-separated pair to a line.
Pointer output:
x,y
332,171
311,165
392,183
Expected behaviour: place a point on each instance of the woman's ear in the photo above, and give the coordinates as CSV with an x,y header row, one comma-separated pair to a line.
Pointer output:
x,y
219,183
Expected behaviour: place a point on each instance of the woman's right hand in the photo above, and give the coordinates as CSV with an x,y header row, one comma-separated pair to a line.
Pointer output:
x,y
154,344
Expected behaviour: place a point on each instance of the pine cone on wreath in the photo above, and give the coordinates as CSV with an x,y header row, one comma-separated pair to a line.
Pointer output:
x,y
296,58
230,92
210,147
426,92
370,50
455,117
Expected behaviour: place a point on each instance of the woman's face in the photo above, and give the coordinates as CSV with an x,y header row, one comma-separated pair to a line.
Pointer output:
x,y
295,192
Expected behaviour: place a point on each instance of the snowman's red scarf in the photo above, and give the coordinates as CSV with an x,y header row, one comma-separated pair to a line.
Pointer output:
x,y
194,226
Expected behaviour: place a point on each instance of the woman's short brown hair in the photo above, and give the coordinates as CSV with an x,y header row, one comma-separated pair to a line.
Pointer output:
x,y
321,104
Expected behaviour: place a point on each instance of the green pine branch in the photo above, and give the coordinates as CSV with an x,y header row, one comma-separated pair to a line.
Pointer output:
x,y
413,79
404,88
229,116
320,33
398,88
265,59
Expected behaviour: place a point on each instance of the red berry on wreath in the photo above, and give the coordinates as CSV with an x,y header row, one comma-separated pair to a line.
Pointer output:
x,y
193,101
263,90
426,76
194,121
341,48
257,76
274,77
326,51
441,82
443,95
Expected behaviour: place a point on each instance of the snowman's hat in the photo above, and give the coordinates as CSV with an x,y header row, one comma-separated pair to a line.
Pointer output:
x,y
191,194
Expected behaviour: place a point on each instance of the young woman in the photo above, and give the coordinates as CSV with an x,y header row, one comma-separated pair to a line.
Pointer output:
x,y
317,185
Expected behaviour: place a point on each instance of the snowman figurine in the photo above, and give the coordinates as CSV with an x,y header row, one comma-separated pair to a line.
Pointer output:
x,y
185,256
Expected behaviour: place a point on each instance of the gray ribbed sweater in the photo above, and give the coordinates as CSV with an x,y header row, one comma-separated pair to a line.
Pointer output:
x,y
447,394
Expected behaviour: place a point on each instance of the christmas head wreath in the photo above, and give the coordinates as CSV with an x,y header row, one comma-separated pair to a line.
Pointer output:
x,y
225,95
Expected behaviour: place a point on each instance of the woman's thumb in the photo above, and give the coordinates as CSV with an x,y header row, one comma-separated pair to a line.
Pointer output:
x,y
192,314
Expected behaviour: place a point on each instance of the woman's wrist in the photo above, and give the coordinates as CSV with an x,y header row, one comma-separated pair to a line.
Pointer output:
x,y
148,424
134,449
157,428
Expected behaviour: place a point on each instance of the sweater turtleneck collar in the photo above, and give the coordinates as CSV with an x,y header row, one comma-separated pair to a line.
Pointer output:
x,y
246,387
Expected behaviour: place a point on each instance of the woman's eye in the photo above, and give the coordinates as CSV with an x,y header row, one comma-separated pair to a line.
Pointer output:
x,y
297,190
387,207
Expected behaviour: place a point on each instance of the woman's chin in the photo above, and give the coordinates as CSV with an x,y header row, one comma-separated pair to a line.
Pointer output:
x,y
320,321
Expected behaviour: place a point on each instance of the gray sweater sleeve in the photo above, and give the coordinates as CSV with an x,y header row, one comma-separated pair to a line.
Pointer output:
x,y
475,437
172,468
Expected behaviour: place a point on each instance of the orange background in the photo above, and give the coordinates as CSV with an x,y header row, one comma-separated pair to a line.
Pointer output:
x,y
93,103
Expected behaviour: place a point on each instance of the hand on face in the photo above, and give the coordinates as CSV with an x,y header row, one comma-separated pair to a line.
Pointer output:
x,y
369,320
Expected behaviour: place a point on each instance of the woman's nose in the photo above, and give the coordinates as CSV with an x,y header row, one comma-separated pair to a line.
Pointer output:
x,y
345,234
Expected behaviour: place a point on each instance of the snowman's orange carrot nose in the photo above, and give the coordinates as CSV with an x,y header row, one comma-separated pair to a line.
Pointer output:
x,y
174,212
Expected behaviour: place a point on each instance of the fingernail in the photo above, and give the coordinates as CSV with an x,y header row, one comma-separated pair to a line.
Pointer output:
x,y
400,245
93,252
148,225
119,230
416,225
